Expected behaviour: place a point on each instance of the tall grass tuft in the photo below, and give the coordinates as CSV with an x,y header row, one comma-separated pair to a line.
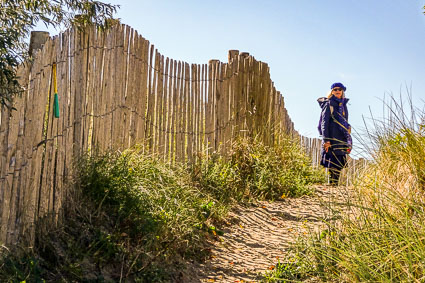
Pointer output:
x,y
382,239
253,170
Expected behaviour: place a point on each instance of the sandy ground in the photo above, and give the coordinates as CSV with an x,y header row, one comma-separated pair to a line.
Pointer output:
x,y
257,236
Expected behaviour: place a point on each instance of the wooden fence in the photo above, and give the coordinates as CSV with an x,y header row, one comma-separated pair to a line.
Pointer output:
x,y
115,90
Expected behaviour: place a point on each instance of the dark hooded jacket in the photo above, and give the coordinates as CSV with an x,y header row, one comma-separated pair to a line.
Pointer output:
x,y
332,130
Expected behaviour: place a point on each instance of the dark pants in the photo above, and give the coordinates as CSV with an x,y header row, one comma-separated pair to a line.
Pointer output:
x,y
334,176
335,163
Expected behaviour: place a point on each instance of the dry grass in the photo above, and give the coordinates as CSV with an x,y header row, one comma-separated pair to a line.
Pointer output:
x,y
383,239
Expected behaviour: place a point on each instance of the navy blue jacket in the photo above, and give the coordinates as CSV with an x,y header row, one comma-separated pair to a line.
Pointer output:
x,y
330,129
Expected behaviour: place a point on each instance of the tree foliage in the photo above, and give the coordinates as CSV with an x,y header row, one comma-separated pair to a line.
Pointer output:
x,y
19,17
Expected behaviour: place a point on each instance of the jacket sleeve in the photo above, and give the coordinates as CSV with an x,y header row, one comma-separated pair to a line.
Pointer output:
x,y
326,116
346,111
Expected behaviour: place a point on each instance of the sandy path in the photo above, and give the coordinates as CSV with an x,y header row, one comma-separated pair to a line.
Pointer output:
x,y
257,236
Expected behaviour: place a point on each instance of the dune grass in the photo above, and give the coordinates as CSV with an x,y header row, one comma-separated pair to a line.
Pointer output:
x,y
255,171
382,239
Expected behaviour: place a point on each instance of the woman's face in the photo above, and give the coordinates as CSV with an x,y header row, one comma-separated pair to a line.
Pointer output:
x,y
337,91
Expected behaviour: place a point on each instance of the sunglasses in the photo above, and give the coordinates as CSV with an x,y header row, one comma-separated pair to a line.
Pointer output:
x,y
337,89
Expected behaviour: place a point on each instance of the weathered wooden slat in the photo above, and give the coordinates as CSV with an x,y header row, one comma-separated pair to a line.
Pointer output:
x,y
202,130
280,119
198,108
186,112
133,71
69,105
117,93
227,130
38,199
78,94
238,96
120,123
221,105
262,116
98,93
273,116
182,113
104,131
139,91
90,90
159,131
87,71
47,184
4,165
127,86
209,108
229,99
170,93
206,88
190,108
258,93
242,89
155,103
15,147
115,97
28,183
10,192
174,121
215,104
194,111
233,108
179,112
109,89
151,98
55,133
4,128
45,126
144,89
62,79
165,116
263,104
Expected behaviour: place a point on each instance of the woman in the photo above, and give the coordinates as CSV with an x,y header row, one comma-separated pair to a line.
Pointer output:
x,y
335,131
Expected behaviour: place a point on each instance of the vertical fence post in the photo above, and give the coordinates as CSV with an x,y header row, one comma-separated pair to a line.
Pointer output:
x,y
37,40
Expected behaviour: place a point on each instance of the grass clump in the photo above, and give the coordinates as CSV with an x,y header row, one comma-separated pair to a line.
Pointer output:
x,y
255,171
382,238
131,217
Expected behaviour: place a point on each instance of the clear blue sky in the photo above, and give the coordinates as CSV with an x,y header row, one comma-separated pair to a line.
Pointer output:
x,y
373,47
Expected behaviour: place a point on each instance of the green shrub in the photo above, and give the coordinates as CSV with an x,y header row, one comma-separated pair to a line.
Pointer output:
x,y
253,170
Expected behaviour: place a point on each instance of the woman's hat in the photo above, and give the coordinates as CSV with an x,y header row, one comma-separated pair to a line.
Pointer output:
x,y
334,85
